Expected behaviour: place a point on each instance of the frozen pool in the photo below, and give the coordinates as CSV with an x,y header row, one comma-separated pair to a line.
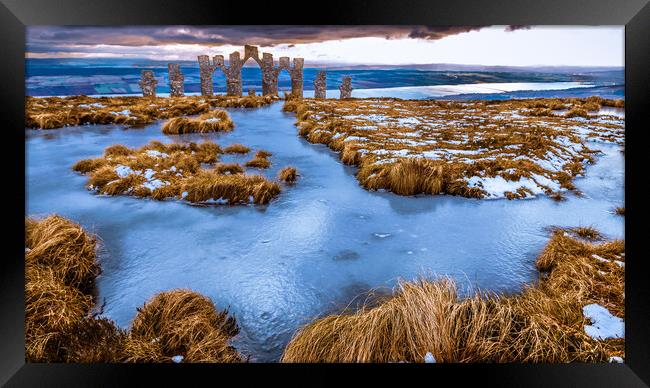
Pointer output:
x,y
311,250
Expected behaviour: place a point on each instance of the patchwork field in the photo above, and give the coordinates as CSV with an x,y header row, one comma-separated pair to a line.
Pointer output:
x,y
481,149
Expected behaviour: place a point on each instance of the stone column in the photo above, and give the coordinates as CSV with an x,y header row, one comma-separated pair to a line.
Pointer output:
x,y
148,83
233,75
296,77
176,79
346,88
206,69
269,76
320,85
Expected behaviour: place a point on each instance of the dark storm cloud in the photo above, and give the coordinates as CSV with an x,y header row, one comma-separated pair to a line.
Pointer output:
x,y
61,38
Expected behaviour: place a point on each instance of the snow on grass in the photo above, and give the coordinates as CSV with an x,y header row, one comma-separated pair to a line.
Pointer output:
x,y
604,325
496,187
124,112
123,171
154,184
93,105
156,154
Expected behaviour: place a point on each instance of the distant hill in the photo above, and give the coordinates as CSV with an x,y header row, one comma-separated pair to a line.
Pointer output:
x,y
455,67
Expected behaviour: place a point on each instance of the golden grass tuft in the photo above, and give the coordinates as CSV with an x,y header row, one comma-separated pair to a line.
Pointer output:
x,y
288,174
229,168
60,270
620,210
587,232
260,160
236,149
236,188
181,323
577,112
213,121
63,247
543,323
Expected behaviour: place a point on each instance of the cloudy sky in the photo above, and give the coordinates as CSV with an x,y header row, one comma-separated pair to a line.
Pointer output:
x,y
343,45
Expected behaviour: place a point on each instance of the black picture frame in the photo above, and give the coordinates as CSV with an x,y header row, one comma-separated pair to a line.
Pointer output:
x,y
15,15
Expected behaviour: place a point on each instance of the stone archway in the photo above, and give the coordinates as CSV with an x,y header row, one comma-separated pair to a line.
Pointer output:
x,y
270,72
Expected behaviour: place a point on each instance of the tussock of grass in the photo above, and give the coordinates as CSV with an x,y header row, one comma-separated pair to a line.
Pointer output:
x,y
57,112
288,174
236,189
587,232
521,142
236,149
161,171
544,323
229,168
185,323
620,210
60,269
213,121
260,160
577,112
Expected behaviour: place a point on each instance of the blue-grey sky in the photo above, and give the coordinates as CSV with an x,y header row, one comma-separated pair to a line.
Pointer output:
x,y
345,45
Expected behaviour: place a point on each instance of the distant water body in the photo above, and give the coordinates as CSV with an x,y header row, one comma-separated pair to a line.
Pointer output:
x,y
61,77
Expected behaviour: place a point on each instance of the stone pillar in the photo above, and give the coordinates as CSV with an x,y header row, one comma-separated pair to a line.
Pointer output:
x,y
346,88
206,69
176,79
320,85
269,76
296,77
148,83
233,75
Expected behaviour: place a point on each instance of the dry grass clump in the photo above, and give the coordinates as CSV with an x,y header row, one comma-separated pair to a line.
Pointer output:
x,y
213,121
208,186
161,171
544,323
229,168
181,323
620,210
57,112
60,270
499,149
577,112
587,232
288,174
260,160
236,149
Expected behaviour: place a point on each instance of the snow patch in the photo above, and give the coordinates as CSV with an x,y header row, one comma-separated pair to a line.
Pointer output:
x,y
604,325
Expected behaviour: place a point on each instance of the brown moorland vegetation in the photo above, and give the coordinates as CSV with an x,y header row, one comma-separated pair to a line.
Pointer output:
x,y
57,112
482,149
181,323
213,121
288,174
236,149
60,270
260,160
543,323
174,170
620,210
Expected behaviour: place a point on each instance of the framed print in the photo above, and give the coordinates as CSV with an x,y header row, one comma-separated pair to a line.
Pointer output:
x,y
396,189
